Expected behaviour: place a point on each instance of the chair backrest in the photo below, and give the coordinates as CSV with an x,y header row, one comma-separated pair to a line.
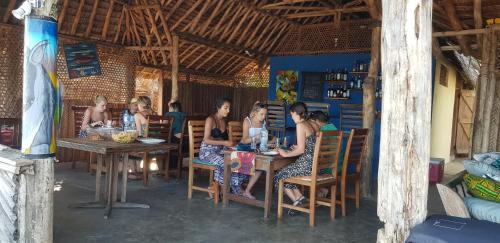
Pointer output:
x,y
276,118
235,130
315,106
355,150
10,132
196,131
78,112
351,116
116,115
326,152
159,127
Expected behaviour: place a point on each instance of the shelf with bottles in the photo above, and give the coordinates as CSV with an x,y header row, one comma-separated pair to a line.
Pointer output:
x,y
342,98
338,75
360,67
338,91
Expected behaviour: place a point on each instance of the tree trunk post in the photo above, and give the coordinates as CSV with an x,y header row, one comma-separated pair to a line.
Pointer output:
x,y
175,68
369,112
42,112
406,116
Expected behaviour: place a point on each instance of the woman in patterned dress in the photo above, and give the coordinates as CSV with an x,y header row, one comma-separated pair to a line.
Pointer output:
x,y
306,139
215,138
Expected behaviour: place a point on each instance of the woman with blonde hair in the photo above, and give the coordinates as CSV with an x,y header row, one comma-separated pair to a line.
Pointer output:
x,y
144,109
95,116
252,125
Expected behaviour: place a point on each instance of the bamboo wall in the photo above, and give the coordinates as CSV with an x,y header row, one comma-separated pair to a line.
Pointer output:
x,y
199,99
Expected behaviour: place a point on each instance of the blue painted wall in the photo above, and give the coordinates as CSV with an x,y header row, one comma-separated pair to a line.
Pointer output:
x,y
321,64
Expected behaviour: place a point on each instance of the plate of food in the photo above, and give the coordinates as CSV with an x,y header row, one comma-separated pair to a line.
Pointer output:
x,y
151,140
272,152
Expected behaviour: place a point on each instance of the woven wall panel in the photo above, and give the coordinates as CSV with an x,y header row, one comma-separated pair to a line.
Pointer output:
x,y
117,81
326,38
249,76
11,70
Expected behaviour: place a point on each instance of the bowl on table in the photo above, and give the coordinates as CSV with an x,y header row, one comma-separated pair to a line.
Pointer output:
x,y
124,136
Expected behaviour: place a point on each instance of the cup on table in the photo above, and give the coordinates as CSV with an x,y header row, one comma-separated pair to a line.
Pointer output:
x,y
253,145
109,123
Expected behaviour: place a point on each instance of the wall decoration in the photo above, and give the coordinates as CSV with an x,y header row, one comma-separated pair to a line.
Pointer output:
x,y
443,76
82,60
286,86
42,98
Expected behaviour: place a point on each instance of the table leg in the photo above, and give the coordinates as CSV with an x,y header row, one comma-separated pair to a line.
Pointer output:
x,y
98,173
269,191
227,181
124,178
109,186
107,159
145,168
116,164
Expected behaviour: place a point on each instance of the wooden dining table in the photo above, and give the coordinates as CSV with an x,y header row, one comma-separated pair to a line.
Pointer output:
x,y
110,153
266,163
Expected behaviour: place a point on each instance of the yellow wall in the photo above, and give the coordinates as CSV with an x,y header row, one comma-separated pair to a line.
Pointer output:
x,y
442,113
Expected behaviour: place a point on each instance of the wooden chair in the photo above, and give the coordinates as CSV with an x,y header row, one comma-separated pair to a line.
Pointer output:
x,y
78,112
315,106
10,132
158,127
196,132
235,131
326,155
351,116
354,154
276,118
180,152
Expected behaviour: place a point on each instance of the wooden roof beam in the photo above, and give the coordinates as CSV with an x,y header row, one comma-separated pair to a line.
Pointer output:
x,y
456,25
223,47
478,19
91,19
74,26
148,48
108,18
272,16
7,14
374,9
282,3
185,70
327,12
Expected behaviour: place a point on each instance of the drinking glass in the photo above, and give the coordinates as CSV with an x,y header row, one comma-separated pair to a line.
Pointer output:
x,y
254,143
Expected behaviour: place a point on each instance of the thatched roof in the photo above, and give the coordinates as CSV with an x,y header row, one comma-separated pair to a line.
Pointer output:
x,y
222,37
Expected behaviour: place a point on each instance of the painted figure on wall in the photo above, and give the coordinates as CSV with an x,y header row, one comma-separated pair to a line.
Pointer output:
x,y
42,102
286,82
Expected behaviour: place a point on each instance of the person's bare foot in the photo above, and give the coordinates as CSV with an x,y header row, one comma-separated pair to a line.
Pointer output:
x,y
323,192
248,195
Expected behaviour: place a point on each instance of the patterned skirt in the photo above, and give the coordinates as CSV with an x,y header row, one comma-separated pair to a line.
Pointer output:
x,y
213,155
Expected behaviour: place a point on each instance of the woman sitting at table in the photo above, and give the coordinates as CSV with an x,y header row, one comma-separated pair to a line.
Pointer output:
x,y
174,109
95,116
144,109
214,139
252,125
306,139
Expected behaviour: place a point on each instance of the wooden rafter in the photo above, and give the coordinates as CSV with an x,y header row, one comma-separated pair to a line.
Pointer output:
x,y
7,14
207,60
107,20
257,10
210,18
148,48
198,58
222,47
91,19
249,26
217,61
224,64
74,26
327,12
154,29
222,20
179,21
229,25
283,3
119,26
478,19
456,25
194,23
62,15
190,54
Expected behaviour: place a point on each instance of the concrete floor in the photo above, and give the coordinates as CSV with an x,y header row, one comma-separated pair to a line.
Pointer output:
x,y
172,218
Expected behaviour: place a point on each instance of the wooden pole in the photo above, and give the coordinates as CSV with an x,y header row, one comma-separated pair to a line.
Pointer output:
x,y
481,89
42,102
175,68
490,94
369,112
406,113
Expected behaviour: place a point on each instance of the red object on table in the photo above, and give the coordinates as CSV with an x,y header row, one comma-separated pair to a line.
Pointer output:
x,y
6,137
436,170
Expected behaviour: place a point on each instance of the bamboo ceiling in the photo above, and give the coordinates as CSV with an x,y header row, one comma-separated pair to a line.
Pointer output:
x,y
222,37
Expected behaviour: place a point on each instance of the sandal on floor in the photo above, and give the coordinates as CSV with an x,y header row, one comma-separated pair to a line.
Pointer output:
x,y
298,202
249,196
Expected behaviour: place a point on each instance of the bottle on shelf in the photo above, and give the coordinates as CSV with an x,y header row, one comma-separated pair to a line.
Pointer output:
x,y
345,74
355,66
326,74
358,83
352,82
